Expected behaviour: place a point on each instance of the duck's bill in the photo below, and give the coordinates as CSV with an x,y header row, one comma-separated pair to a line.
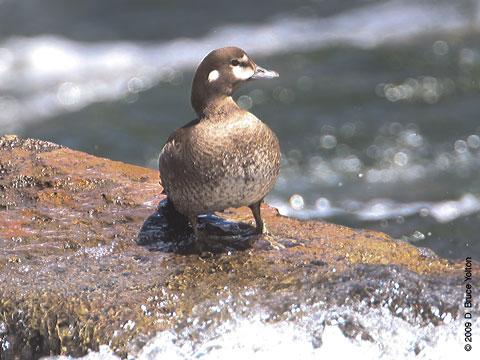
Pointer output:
x,y
261,73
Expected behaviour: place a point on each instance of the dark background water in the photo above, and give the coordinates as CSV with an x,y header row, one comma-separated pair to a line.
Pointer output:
x,y
377,105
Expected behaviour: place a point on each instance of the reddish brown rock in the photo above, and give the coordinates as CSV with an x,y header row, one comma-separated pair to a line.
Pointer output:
x,y
86,259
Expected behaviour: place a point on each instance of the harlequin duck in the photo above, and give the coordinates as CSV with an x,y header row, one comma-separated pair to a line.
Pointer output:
x,y
226,157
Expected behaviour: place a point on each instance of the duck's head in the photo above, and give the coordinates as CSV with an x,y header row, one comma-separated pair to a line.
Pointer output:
x,y
221,73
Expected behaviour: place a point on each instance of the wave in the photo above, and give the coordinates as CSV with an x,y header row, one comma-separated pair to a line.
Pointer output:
x,y
379,209
256,339
41,77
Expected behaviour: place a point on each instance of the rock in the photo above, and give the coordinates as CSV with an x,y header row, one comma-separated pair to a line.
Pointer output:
x,y
87,258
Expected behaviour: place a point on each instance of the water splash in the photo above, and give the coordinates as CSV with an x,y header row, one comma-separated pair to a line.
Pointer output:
x,y
255,339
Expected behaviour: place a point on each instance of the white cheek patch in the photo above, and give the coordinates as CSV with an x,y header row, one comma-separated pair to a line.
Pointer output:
x,y
214,75
242,73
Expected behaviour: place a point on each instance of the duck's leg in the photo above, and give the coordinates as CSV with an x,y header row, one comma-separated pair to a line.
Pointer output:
x,y
256,214
175,219
193,222
197,243
261,228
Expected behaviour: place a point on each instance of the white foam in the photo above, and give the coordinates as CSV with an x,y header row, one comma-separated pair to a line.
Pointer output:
x,y
447,211
104,353
378,209
390,338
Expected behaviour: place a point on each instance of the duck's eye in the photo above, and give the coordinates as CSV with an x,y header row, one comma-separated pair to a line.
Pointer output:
x,y
235,62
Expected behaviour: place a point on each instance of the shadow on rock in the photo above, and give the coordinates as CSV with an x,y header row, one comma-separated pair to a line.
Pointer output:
x,y
167,230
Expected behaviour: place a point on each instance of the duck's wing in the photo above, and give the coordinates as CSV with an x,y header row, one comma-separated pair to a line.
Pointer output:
x,y
182,132
174,145
171,161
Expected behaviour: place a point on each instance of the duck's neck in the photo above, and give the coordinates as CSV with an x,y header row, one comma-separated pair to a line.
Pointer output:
x,y
215,107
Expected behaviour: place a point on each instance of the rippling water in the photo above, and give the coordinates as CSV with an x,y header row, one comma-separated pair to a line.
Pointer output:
x,y
253,339
376,107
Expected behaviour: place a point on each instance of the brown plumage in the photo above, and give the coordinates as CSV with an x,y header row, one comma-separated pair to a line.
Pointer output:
x,y
226,157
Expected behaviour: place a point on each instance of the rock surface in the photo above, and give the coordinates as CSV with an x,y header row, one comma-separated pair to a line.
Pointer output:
x,y
87,258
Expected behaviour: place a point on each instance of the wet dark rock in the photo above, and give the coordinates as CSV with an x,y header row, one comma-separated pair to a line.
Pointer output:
x,y
87,258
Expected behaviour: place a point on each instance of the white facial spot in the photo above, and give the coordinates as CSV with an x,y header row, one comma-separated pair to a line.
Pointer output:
x,y
214,75
242,73
244,58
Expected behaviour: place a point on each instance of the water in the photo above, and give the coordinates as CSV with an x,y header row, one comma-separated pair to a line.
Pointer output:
x,y
253,339
376,107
